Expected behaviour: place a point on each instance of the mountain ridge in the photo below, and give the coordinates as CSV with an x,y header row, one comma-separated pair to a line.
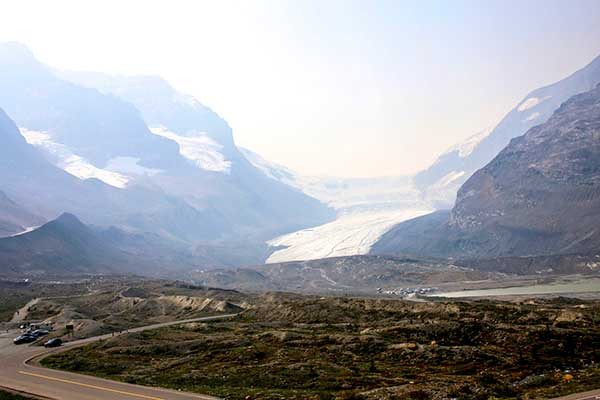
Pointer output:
x,y
539,196
535,108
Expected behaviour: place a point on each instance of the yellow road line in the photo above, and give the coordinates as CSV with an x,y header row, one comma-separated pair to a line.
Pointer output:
x,y
90,386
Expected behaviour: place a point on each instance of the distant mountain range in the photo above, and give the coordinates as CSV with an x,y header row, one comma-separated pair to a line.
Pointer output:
x,y
66,247
539,196
161,187
133,153
440,182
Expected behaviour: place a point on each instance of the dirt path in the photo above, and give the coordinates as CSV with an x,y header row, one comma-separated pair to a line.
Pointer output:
x,y
22,312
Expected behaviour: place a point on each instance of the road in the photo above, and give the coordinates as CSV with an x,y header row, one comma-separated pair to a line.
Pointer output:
x,y
18,371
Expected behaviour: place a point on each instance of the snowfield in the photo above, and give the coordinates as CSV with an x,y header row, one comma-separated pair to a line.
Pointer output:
x,y
64,158
531,102
465,148
204,152
348,235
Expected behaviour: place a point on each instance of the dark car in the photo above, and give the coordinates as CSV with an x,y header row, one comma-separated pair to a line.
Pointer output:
x,y
40,332
24,338
53,343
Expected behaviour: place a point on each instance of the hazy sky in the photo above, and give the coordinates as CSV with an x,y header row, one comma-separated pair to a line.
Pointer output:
x,y
340,88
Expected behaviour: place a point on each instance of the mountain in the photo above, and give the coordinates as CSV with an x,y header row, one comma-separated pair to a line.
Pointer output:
x,y
62,246
538,196
218,173
366,208
146,159
15,218
67,247
32,181
441,180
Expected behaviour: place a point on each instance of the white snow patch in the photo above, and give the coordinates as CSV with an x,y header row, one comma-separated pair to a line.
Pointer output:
x,y
27,230
348,235
465,148
449,178
531,102
76,165
129,166
532,116
272,170
204,152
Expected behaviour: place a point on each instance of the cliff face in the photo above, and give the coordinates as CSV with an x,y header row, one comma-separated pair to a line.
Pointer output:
x,y
540,195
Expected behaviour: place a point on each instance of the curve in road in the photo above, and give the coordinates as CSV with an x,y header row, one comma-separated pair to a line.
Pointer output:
x,y
19,371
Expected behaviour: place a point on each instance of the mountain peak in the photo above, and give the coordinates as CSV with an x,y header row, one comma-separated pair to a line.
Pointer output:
x,y
18,60
66,223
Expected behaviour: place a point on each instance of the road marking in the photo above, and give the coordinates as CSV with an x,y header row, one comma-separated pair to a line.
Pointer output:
x,y
90,386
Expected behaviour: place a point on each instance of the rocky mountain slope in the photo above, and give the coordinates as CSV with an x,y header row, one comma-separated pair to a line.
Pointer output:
x,y
139,156
539,196
218,175
63,245
441,181
32,181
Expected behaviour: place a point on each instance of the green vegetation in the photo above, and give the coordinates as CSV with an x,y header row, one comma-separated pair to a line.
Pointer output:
x,y
11,396
298,347
14,295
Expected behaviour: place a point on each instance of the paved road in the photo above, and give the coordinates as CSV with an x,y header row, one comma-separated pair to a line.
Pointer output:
x,y
19,372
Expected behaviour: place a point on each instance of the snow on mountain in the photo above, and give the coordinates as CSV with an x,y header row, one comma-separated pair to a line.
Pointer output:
x,y
531,102
349,234
64,158
535,108
366,209
274,171
532,116
448,179
466,147
198,148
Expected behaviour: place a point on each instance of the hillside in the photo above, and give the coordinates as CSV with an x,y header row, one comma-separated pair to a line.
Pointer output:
x,y
539,196
67,248
61,246
441,181
161,162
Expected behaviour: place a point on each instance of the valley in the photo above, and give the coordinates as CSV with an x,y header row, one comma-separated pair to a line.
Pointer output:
x,y
308,237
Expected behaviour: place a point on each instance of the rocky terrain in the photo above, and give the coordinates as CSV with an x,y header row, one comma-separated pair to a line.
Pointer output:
x,y
440,182
101,305
348,275
297,347
539,196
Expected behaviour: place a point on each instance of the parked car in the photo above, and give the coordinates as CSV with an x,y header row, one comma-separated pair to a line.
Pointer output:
x,y
40,332
53,343
24,338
